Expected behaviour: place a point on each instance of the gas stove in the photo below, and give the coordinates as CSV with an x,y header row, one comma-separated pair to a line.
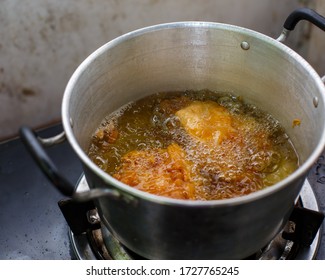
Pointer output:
x,y
96,242
34,225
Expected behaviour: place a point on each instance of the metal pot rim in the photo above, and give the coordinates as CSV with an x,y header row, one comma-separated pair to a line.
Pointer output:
x,y
67,122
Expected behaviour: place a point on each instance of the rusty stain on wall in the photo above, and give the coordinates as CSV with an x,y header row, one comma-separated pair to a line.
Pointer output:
x,y
28,92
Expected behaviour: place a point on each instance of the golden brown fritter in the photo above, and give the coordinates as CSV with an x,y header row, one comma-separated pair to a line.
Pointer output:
x,y
163,172
206,121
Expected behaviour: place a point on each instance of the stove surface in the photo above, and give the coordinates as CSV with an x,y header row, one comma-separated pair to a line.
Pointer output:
x,y
33,226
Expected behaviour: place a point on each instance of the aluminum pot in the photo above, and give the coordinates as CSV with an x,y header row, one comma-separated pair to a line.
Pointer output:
x,y
182,56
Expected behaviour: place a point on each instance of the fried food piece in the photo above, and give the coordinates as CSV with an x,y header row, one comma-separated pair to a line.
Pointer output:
x,y
164,172
107,133
206,121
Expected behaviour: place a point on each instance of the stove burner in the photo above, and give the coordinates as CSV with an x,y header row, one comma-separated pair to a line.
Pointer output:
x,y
90,240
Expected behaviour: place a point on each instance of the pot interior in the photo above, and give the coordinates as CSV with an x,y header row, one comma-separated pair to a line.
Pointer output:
x,y
195,56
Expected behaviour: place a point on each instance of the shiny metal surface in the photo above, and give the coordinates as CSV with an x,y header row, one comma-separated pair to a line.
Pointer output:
x,y
96,193
196,55
283,36
57,139
273,251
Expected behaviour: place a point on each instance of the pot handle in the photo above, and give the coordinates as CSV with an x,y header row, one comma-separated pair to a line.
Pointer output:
x,y
35,145
298,15
35,148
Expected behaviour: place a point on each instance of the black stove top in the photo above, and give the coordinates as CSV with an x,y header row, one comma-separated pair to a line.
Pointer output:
x,y
32,225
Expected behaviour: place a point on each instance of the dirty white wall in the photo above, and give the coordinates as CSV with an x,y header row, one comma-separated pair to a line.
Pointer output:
x,y
43,41
316,50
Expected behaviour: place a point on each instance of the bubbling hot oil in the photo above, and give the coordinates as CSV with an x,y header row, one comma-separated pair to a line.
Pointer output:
x,y
193,145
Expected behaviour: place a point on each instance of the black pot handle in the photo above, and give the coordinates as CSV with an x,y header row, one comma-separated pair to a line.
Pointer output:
x,y
298,15
304,14
37,151
35,145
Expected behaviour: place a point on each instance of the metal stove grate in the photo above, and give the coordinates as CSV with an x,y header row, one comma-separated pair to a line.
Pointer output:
x,y
90,244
